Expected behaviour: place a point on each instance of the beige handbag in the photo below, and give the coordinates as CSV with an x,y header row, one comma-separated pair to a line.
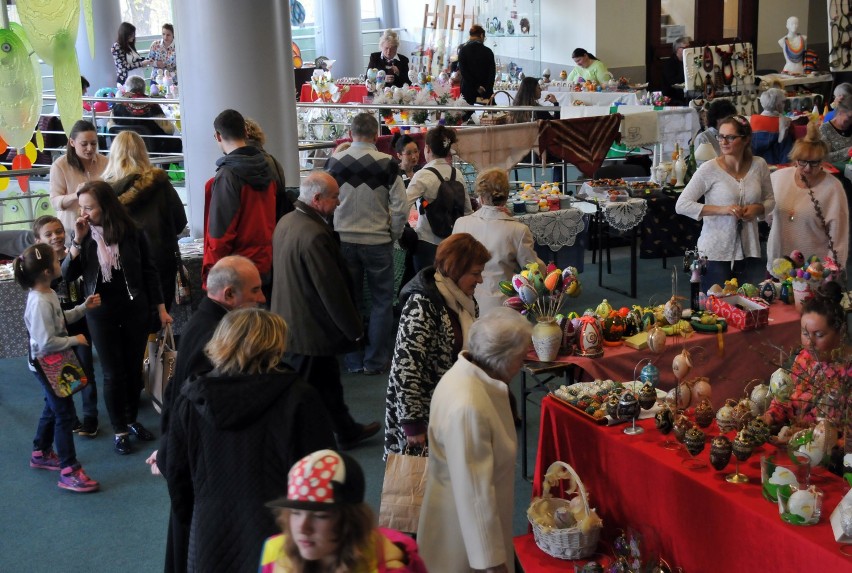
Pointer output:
x,y
403,490
159,364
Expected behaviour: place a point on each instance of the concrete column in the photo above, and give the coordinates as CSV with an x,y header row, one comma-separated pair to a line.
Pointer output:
x,y
230,55
341,36
389,14
100,70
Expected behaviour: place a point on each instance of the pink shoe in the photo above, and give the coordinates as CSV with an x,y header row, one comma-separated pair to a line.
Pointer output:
x,y
44,460
77,480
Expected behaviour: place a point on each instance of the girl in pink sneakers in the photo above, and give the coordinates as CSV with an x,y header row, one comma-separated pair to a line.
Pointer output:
x,y
45,321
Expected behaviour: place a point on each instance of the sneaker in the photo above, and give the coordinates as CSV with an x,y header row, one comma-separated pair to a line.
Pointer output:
x,y
44,460
75,427
77,480
88,428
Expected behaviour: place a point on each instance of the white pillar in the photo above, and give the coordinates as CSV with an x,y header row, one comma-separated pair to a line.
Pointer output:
x,y
341,31
100,70
233,55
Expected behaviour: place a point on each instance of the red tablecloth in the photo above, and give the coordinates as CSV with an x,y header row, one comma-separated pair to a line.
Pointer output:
x,y
702,522
356,94
747,355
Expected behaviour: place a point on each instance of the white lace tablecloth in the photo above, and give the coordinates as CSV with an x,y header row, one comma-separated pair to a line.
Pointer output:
x,y
556,229
624,215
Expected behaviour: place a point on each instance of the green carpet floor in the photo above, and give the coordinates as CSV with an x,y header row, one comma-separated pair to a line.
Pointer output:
x,y
122,528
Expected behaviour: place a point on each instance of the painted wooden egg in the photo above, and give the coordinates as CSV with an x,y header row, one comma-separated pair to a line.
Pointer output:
x,y
742,446
720,452
656,340
781,385
760,398
694,441
664,420
724,416
650,374
681,425
682,364
673,311
628,406
704,414
647,396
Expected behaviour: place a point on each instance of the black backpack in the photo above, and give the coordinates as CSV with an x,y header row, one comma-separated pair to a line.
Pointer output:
x,y
447,206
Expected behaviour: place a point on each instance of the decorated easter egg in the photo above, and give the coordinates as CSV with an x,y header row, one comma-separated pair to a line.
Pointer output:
x,y
694,441
673,311
701,389
647,396
679,397
507,288
574,289
724,417
520,280
798,258
381,75
759,431
720,452
682,364
589,339
748,290
704,414
528,294
742,446
563,75
760,398
681,426
664,420
514,302
552,280
611,405
603,309
656,340
628,406
781,385
650,374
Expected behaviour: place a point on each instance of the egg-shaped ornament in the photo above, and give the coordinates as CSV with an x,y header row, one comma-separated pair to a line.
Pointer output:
x,y
679,397
761,397
592,567
664,420
682,364
704,414
613,329
673,311
720,452
741,414
537,280
785,293
724,416
694,441
569,336
681,425
589,338
650,374
748,290
656,340
514,302
603,309
381,76
520,280
507,288
701,389
768,291
372,73
742,446
628,406
527,294
759,431
553,280
647,396
611,405
781,385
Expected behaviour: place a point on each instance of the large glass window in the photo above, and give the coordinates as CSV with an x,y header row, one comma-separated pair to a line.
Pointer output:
x,y
147,15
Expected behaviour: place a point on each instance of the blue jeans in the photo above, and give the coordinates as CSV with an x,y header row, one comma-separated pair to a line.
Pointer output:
x,y
89,394
54,426
749,270
375,263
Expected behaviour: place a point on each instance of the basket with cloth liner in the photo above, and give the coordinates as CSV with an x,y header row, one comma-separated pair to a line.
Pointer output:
x,y
564,528
494,117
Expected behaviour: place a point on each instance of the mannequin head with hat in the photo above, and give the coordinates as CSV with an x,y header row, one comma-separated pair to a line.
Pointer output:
x,y
323,516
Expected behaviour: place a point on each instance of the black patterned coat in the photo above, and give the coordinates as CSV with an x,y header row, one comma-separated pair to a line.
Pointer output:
x,y
422,354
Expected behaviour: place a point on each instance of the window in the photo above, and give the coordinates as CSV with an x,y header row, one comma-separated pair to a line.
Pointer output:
x,y
147,15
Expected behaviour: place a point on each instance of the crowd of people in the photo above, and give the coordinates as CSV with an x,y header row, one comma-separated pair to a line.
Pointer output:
x,y
255,422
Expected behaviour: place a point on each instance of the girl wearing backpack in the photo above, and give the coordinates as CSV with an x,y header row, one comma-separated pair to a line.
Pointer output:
x,y
440,185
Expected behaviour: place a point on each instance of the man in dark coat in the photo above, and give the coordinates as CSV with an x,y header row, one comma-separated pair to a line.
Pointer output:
x,y
477,68
673,72
234,282
313,292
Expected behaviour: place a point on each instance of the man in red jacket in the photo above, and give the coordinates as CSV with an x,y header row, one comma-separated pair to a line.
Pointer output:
x,y
239,201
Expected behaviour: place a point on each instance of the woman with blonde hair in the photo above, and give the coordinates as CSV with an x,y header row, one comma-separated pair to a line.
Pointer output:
x,y
509,241
811,210
233,435
152,202
395,65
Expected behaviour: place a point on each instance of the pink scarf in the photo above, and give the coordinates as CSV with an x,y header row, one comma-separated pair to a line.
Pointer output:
x,y
107,254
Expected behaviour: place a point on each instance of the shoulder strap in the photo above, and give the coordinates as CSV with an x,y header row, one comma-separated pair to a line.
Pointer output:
x,y
438,173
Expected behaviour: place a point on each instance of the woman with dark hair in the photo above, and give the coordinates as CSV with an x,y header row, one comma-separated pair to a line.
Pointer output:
x,y
80,164
233,434
408,153
821,368
811,210
124,53
588,68
112,255
424,188
737,192
528,95
162,52
327,526
438,310
152,202
719,109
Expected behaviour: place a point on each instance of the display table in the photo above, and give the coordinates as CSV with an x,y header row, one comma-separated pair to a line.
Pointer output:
x,y
786,80
600,99
747,355
697,517
663,232
356,93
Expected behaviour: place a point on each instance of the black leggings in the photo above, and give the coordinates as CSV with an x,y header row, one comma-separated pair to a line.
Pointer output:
x,y
119,332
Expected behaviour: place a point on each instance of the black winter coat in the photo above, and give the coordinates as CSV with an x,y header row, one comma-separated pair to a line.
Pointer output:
x,y
232,440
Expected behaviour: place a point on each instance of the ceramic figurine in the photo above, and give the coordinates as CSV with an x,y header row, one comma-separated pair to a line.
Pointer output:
x,y
720,452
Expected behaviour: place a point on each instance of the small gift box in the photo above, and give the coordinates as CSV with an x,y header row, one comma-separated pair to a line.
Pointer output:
x,y
741,312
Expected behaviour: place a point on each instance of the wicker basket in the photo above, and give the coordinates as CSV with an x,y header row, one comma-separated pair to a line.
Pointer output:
x,y
496,118
565,543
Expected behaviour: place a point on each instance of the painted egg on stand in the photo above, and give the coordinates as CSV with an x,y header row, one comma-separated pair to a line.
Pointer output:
x,y
612,405
724,417
664,420
742,446
759,431
704,414
650,374
694,441
647,396
673,311
720,452
681,425
628,406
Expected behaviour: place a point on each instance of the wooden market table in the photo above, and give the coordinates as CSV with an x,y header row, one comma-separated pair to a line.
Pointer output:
x,y
701,522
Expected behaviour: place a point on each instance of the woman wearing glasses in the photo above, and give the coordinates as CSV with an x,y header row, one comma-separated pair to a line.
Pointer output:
x,y
811,212
737,191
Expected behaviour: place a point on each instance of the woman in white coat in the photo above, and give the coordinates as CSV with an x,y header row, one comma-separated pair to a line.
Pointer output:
x,y
509,241
466,518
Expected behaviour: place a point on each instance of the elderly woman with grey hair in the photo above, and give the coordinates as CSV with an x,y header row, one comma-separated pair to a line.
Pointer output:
x,y
771,138
466,518
842,93
838,131
394,64
147,119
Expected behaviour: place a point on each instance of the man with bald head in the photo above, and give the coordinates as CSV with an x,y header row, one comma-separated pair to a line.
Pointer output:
x,y
312,290
233,282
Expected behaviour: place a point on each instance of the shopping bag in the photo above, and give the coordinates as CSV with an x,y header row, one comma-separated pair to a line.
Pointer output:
x,y
159,364
63,372
403,490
